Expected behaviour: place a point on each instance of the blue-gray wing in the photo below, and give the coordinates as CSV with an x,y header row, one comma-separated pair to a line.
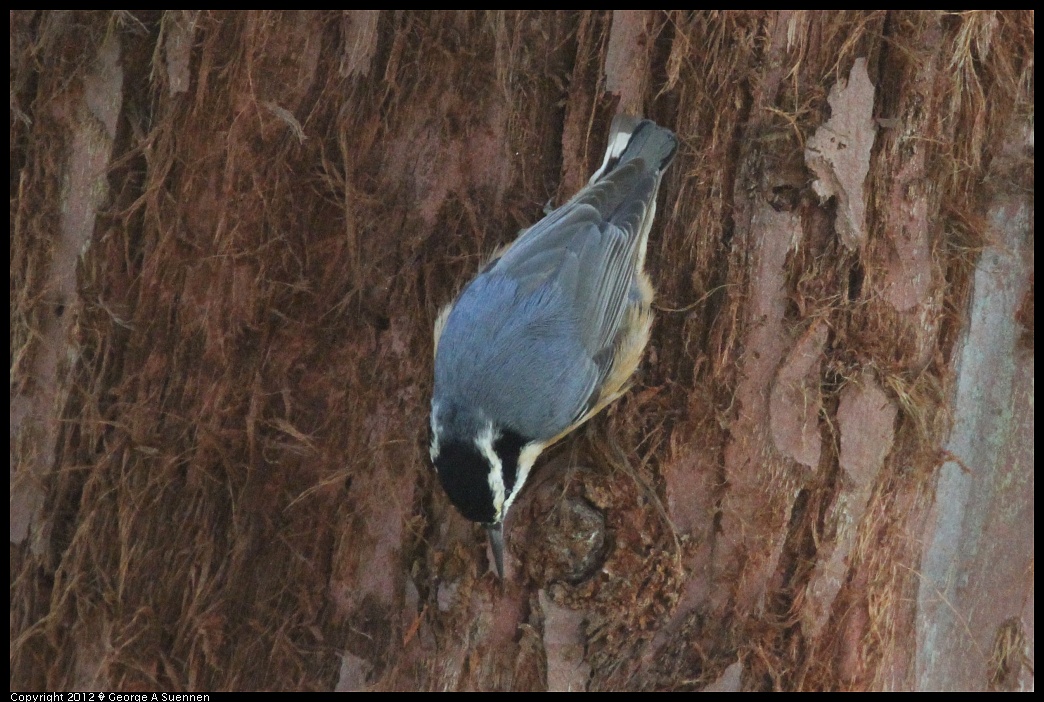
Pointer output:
x,y
539,323
589,252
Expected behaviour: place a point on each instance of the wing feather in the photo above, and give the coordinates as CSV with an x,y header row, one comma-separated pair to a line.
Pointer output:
x,y
588,249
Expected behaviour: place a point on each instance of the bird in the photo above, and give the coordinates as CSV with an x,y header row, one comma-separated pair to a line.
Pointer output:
x,y
548,333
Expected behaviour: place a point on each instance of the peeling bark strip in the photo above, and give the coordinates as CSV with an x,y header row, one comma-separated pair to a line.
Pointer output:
x,y
907,276
839,153
983,514
179,33
628,57
795,402
564,640
35,417
866,421
230,232
360,42
761,486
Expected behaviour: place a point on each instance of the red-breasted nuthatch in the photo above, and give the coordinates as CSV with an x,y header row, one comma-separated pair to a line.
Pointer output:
x,y
548,333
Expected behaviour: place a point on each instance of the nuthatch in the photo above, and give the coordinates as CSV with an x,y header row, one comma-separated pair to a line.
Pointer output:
x,y
548,333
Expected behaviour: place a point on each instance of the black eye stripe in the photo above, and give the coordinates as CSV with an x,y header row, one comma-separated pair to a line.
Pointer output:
x,y
508,446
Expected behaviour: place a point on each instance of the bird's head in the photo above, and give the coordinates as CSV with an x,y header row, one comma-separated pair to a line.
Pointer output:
x,y
481,466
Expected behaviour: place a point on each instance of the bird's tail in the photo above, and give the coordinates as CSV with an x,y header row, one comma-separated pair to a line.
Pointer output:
x,y
631,138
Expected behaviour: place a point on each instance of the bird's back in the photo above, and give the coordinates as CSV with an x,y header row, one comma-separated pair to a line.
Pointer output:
x,y
530,339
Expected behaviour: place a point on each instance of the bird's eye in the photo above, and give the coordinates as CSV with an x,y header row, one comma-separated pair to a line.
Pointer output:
x,y
508,446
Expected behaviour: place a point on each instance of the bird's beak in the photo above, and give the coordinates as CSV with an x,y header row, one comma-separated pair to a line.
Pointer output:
x,y
496,542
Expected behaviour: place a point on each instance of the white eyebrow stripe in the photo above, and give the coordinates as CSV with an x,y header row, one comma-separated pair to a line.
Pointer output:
x,y
433,449
526,458
484,442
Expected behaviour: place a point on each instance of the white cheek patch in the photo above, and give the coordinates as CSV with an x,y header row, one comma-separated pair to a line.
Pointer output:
x,y
484,442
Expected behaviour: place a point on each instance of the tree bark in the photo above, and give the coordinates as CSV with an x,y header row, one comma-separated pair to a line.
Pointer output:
x,y
232,233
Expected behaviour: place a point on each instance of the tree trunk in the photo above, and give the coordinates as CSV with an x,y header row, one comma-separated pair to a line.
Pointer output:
x,y
232,233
